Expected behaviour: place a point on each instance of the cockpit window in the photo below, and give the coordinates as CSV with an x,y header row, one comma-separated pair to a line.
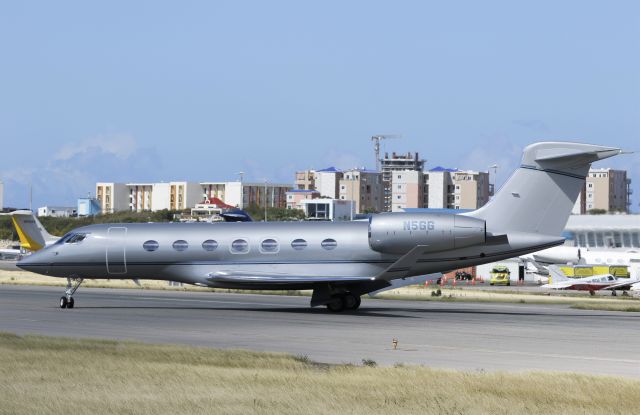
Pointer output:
x,y
78,237
72,238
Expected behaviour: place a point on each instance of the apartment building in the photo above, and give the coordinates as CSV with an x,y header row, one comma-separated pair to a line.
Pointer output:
x,y
140,196
390,164
471,189
296,196
159,196
606,189
113,197
365,188
439,188
243,194
407,190
327,182
306,180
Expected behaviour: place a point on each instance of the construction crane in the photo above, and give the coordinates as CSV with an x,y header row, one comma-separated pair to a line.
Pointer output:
x,y
376,145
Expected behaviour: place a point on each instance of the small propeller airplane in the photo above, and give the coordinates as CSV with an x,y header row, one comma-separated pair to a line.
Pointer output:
x,y
559,281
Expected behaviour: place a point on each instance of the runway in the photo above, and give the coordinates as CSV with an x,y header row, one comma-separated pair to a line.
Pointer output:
x,y
469,336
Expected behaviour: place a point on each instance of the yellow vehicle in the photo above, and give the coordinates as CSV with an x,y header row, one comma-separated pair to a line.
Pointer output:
x,y
500,275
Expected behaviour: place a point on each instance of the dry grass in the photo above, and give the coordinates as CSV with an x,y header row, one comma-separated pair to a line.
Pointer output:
x,y
40,375
608,307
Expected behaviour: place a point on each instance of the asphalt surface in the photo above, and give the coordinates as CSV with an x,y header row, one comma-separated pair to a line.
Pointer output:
x,y
469,336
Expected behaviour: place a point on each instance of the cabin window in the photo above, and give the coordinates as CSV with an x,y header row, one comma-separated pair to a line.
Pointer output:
x,y
150,245
329,244
180,245
299,244
269,246
240,246
210,245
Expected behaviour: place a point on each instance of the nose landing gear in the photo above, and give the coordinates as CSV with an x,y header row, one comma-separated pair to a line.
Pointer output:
x,y
67,300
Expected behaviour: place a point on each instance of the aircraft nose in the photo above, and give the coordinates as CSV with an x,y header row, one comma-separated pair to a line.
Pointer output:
x,y
33,262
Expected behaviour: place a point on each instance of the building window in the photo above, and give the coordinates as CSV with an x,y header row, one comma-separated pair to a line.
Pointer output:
x,y
180,245
329,244
150,246
299,244
210,245
240,246
269,246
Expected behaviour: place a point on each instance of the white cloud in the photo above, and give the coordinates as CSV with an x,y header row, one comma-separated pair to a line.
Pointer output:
x,y
75,169
495,150
119,145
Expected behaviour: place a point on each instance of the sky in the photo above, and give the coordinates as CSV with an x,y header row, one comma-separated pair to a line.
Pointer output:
x,y
157,91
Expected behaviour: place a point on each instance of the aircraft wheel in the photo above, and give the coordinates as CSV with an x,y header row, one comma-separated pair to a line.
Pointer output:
x,y
336,304
63,302
70,302
592,292
614,293
358,301
351,301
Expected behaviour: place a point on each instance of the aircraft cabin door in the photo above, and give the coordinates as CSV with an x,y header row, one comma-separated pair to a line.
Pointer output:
x,y
116,250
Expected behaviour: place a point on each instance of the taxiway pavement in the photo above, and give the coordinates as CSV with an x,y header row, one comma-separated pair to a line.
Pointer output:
x,y
468,336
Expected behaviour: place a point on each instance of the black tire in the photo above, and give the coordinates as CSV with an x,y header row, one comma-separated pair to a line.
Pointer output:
x,y
63,302
351,301
70,303
508,284
336,305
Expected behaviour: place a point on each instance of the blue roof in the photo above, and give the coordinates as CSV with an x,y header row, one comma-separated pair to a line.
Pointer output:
x,y
440,168
330,170
301,191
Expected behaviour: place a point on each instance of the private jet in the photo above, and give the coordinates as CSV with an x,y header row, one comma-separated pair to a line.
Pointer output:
x,y
339,261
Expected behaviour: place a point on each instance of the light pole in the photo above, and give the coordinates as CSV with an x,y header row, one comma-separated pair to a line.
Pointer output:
x,y
352,201
265,199
241,205
495,176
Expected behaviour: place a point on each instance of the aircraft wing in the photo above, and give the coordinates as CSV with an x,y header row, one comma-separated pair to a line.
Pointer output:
x,y
275,278
402,266
622,285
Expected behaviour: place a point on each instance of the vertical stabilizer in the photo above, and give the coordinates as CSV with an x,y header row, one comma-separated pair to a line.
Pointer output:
x,y
540,194
33,236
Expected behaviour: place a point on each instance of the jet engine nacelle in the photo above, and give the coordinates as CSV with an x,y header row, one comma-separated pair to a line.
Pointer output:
x,y
398,233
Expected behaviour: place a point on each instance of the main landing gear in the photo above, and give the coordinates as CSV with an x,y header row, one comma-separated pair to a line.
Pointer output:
x,y
341,302
67,300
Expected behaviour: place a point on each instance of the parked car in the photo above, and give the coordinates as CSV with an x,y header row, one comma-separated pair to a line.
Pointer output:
x,y
500,275
463,276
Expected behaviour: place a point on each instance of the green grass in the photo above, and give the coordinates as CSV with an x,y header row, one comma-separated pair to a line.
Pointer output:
x,y
43,375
